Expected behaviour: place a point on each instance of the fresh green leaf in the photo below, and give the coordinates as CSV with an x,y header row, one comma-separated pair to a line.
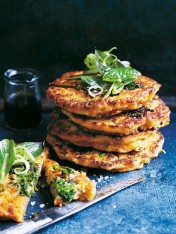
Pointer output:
x,y
106,61
117,88
123,74
7,158
90,80
107,94
90,61
35,148
90,72
106,74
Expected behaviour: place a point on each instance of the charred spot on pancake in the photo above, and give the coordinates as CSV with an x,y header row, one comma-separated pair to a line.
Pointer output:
x,y
139,113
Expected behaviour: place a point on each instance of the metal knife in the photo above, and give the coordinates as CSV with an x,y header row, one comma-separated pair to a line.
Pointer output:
x,y
56,214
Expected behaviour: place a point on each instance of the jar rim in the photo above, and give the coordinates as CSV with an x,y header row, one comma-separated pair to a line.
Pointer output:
x,y
14,76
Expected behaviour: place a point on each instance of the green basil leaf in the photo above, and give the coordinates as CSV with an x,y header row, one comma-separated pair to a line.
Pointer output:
x,y
107,94
7,158
117,88
90,80
35,148
123,74
90,61
106,71
90,72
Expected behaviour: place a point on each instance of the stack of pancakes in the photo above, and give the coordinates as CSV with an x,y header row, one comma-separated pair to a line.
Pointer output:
x,y
117,133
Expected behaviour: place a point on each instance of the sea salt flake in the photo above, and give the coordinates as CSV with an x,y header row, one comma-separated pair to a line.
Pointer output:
x,y
33,203
42,205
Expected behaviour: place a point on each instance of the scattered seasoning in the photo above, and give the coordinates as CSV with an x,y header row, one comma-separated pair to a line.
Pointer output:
x,y
100,179
33,203
106,177
42,205
31,216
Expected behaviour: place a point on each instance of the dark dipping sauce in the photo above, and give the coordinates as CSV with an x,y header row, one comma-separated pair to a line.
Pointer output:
x,y
22,111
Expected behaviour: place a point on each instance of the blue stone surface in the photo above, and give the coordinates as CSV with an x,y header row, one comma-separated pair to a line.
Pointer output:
x,y
148,207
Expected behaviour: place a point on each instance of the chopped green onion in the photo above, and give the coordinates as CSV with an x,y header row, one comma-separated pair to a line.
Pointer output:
x,y
20,161
22,150
95,90
109,91
125,63
23,156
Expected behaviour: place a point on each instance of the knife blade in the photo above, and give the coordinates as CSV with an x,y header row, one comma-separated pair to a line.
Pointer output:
x,y
56,214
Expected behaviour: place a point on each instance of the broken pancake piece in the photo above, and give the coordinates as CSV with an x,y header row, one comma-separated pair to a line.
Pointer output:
x,y
67,184
114,162
65,93
66,130
18,189
153,115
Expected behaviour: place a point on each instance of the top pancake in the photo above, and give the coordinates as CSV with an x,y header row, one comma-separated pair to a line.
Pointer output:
x,y
65,94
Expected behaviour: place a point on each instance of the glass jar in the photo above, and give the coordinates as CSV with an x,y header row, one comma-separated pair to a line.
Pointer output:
x,y
22,99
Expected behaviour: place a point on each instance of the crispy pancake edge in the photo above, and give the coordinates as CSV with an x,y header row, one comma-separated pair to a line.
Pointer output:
x,y
68,131
108,161
79,101
158,116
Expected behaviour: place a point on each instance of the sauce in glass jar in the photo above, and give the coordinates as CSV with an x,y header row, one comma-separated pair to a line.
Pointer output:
x,y
22,100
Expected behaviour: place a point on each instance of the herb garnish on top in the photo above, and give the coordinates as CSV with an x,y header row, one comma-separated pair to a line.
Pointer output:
x,y
106,75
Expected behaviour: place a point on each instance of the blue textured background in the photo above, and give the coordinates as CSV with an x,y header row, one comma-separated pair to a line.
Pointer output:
x,y
148,207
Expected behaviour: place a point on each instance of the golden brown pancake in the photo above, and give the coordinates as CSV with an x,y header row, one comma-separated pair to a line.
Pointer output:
x,y
153,115
66,94
66,130
115,162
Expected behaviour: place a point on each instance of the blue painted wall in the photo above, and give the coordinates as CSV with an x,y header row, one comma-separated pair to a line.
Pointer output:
x,y
53,36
